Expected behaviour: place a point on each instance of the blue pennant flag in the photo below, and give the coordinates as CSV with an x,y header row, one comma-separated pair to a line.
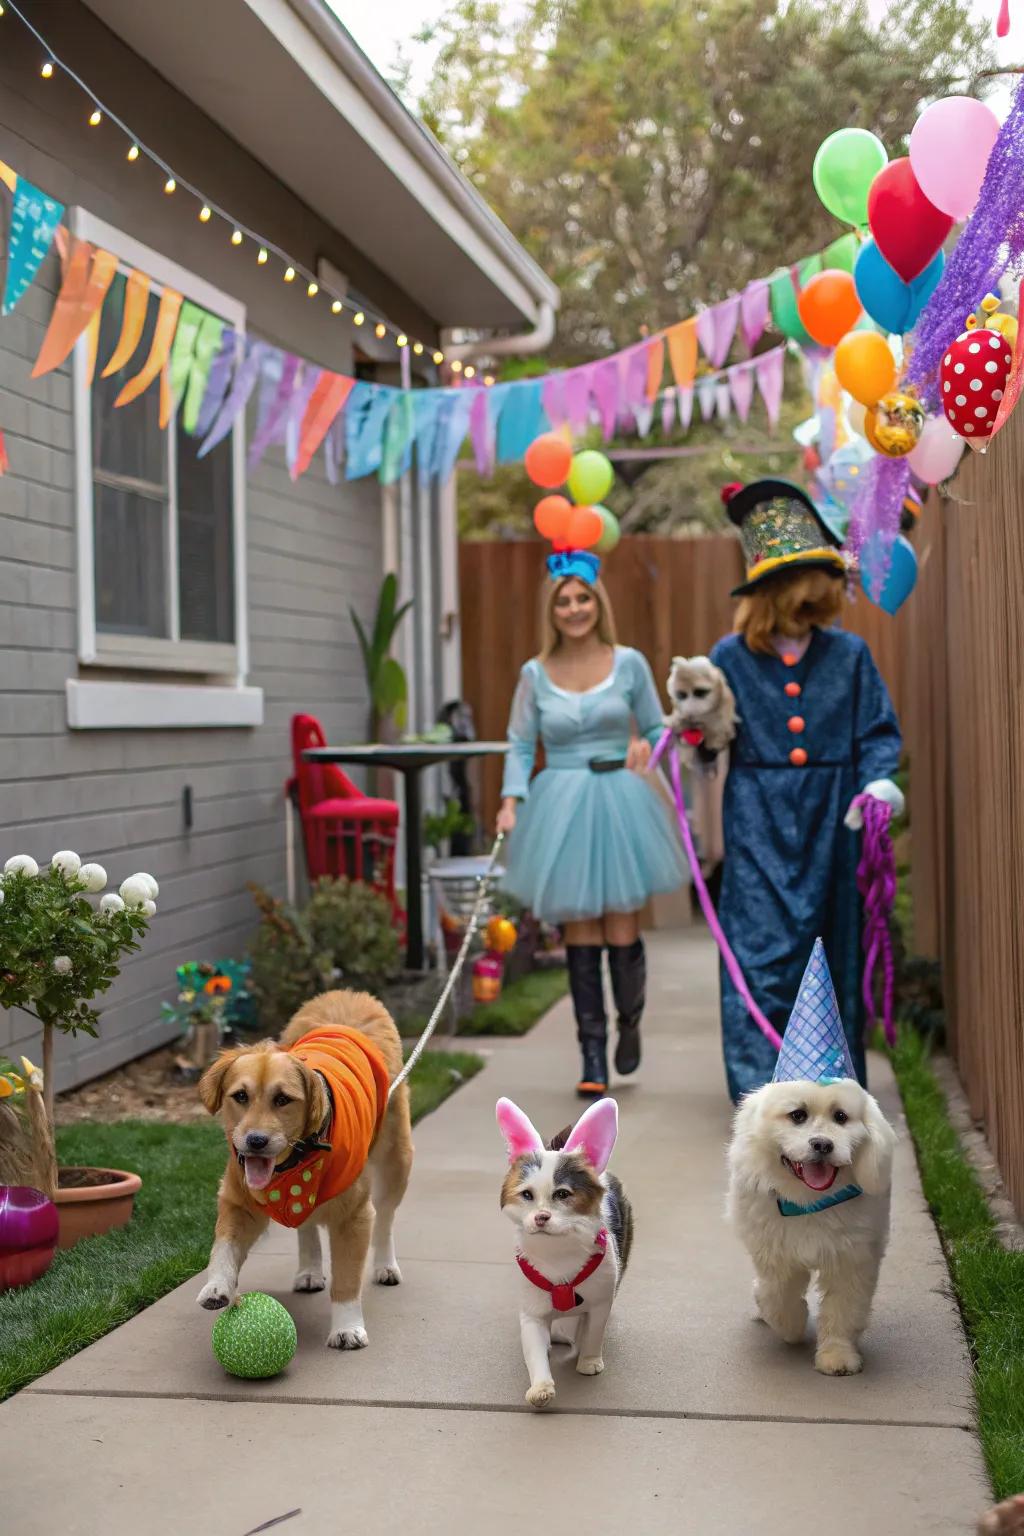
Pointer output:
x,y
522,419
34,220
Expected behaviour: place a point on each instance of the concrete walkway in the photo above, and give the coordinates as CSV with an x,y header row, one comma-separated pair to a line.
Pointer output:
x,y
702,1425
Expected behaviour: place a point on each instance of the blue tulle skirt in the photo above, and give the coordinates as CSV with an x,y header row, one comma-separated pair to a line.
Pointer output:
x,y
587,843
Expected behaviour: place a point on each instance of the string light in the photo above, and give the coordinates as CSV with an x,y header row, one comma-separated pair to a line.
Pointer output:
x,y
95,118
456,366
47,70
312,290
488,379
336,307
358,318
417,347
289,274
403,340
439,358
263,257
236,237
205,214
380,331
471,372
169,185
133,153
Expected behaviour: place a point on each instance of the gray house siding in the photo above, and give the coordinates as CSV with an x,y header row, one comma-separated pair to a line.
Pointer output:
x,y
312,549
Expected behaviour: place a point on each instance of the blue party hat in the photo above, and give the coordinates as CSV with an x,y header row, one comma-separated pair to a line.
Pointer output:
x,y
814,1047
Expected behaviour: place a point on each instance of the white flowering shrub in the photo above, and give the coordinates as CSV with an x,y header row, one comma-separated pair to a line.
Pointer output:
x,y
58,950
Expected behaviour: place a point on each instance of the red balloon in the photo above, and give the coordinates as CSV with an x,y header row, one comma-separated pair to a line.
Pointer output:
x,y
551,518
908,229
585,528
548,460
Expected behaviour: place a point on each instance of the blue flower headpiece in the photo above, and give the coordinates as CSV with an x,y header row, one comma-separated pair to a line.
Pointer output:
x,y
574,562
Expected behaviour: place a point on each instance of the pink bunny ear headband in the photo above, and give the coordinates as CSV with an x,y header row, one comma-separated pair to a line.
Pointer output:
x,y
593,1134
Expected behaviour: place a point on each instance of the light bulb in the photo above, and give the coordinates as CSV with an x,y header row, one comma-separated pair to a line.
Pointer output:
x,y
169,185
133,153
336,307
47,70
312,290
471,372
263,256
488,379
380,331
205,214
417,347
236,237
358,318
403,340
95,118
289,274
456,366
439,358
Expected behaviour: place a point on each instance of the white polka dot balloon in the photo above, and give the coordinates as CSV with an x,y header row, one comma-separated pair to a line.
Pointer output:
x,y
973,376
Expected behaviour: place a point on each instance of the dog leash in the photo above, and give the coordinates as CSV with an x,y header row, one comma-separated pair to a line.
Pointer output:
x,y
484,883
732,965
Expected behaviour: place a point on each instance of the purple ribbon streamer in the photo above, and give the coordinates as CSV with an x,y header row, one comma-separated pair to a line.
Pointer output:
x,y
481,431
242,386
276,415
217,381
876,882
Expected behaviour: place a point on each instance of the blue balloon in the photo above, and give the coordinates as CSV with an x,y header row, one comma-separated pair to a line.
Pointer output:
x,y
892,303
900,580
842,474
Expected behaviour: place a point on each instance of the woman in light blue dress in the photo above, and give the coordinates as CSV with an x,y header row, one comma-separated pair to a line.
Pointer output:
x,y
593,839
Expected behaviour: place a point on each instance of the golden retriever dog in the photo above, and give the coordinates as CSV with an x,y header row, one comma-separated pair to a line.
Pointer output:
x,y
307,1117
810,1168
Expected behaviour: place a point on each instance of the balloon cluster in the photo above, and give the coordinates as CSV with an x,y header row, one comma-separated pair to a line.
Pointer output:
x,y
588,477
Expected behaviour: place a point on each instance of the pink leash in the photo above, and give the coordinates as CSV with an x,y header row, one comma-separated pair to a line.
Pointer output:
x,y
876,882
732,965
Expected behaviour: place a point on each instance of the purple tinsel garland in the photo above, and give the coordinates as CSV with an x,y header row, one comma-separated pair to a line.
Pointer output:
x,y
876,882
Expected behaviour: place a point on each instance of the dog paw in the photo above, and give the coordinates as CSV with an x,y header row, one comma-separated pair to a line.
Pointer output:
x,y
542,1394
838,1360
215,1295
309,1280
1005,1520
590,1365
347,1338
387,1274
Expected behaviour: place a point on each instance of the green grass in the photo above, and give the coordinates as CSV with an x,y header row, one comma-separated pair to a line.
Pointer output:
x,y
103,1281
520,1005
989,1281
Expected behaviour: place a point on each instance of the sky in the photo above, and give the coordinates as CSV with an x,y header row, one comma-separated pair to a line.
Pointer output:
x,y
380,27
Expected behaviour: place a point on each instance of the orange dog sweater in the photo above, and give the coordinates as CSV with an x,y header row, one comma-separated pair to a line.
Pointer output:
x,y
357,1080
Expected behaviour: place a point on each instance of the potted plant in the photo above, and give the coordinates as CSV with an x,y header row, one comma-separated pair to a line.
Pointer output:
x,y
213,1000
58,951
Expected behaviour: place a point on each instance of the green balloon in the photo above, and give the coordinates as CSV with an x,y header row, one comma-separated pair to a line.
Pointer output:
x,y
842,253
590,478
254,1338
785,315
612,532
844,168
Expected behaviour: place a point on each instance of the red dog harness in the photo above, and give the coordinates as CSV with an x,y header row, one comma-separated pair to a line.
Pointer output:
x,y
564,1297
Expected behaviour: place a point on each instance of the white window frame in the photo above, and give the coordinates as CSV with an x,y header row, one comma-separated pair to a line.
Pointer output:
x,y
225,664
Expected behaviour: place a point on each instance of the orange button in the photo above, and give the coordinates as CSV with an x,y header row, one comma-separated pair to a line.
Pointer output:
x,y
796,724
798,757
793,690
789,660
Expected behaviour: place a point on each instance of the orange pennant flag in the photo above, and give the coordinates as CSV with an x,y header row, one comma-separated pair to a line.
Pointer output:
x,y
92,343
136,299
159,352
655,366
166,396
682,351
328,398
89,274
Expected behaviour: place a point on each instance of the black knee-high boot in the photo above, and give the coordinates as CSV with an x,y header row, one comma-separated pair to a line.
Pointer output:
x,y
628,965
587,987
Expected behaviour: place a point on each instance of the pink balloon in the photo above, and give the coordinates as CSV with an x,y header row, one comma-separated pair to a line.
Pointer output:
x,y
937,452
949,150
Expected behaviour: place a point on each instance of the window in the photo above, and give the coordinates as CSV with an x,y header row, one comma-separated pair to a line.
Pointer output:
x,y
160,529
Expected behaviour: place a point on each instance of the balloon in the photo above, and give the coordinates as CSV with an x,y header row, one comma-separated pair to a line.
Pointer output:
x,y
855,416
844,168
842,474
551,516
590,477
785,314
501,935
548,459
972,379
612,533
938,452
584,529
829,307
895,424
908,229
864,366
949,151
892,303
842,253
900,579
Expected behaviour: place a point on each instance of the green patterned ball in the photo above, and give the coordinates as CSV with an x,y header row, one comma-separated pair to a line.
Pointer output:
x,y
255,1337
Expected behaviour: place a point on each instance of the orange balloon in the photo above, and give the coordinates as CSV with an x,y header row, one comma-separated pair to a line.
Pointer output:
x,y
585,528
829,307
865,367
551,516
548,460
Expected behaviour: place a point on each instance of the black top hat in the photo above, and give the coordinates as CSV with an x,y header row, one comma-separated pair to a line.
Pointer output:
x,y
781,530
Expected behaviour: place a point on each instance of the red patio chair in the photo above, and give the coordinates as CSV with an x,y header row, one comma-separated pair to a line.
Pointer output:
x,y
344,832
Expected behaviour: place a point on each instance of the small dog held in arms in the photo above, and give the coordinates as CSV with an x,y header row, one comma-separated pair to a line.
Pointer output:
x,y
810,1169
703,713
575,1230
314,1142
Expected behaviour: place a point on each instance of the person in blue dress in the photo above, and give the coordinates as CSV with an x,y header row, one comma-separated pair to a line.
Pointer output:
x,y
815,730
592,839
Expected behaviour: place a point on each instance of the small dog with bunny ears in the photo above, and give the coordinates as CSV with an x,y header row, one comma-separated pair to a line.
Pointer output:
x,y
575,1230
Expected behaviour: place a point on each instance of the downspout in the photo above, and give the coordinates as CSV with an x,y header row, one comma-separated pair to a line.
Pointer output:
x,y
536,340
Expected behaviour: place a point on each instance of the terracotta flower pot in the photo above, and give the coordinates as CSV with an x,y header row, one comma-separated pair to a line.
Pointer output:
x,y
93,1200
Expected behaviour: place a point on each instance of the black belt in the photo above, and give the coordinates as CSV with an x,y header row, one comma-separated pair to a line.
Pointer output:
x,y
606,764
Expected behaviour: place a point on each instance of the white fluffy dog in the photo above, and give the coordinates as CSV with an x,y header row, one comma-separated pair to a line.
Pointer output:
x,y
810,1169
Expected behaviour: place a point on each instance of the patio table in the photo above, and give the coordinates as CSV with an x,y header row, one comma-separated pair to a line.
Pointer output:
x,y
409,759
